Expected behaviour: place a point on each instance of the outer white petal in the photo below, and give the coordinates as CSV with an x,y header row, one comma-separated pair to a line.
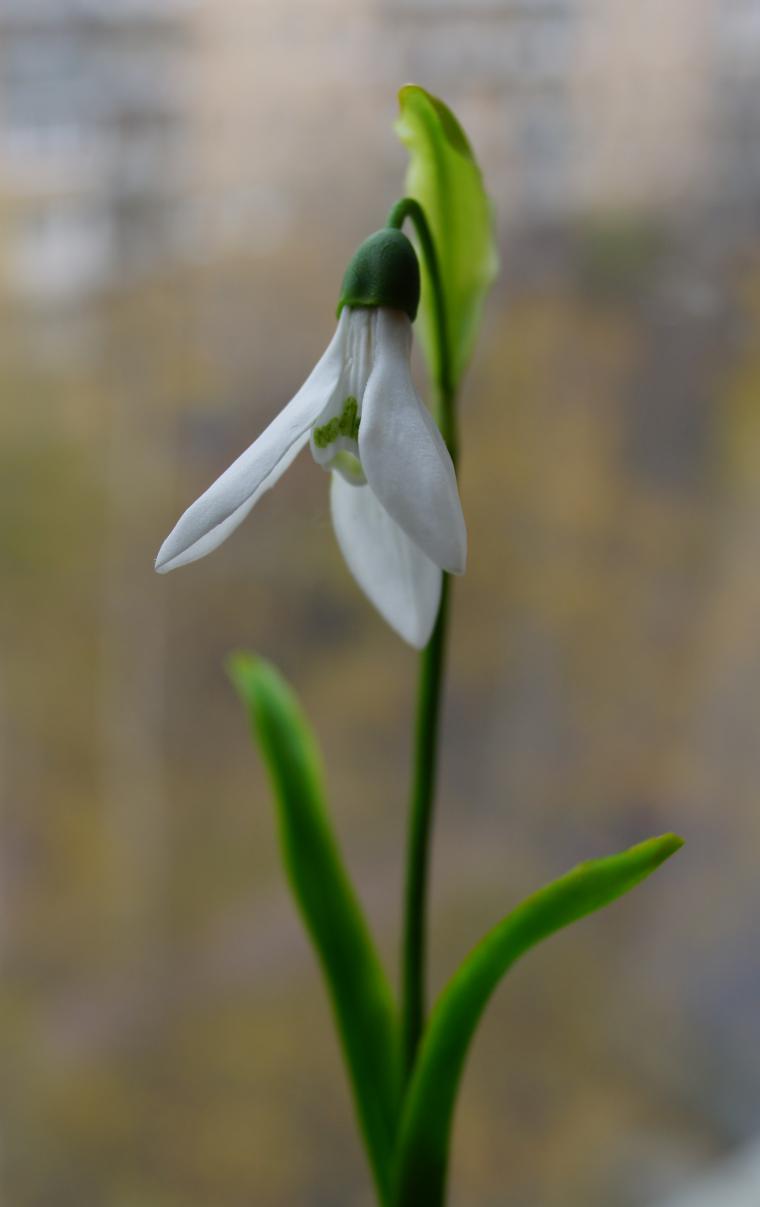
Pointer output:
x,y
397,577
404,457
217,513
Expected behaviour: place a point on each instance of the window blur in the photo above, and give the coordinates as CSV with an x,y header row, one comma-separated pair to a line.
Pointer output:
x,y
182,183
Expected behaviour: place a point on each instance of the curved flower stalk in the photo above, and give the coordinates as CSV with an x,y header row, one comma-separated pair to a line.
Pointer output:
x,y
394,499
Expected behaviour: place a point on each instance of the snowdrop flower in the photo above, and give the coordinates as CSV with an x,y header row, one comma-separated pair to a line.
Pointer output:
x,y
394,500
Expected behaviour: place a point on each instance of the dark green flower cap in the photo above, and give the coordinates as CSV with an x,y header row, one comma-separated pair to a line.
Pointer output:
x,y
383,272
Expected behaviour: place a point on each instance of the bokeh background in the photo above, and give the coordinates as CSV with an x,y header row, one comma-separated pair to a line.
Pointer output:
x,y
182,183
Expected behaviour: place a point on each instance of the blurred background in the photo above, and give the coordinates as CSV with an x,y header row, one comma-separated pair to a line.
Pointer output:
x,y
182,183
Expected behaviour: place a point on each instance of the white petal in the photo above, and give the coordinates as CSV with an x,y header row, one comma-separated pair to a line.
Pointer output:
x,y
397,577
217,513
346,401
403,453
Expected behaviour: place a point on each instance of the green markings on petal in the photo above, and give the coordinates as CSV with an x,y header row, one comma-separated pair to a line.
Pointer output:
x,y
345,424
349,467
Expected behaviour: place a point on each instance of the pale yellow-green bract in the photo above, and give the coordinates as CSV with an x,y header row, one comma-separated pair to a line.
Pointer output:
x,y
446,180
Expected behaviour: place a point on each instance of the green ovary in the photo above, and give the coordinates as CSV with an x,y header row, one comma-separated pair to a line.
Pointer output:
x,y
345,424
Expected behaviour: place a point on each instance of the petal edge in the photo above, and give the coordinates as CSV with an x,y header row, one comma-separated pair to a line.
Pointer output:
x,y
219,510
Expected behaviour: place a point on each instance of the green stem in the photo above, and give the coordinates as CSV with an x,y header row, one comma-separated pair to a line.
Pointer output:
x,y
418,841
432,661
407,207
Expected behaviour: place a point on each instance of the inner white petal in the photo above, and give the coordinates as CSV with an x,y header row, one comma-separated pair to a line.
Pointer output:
x,y
335,433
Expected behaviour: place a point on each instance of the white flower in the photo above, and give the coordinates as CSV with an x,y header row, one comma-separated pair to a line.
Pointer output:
x,y
394,499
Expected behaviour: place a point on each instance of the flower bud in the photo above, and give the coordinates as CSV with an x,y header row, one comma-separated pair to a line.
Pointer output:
x,y
383,272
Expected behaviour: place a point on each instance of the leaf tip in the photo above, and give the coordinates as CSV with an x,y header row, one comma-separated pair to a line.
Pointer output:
x,y
669,844
242,670
449,123
403,91
646,857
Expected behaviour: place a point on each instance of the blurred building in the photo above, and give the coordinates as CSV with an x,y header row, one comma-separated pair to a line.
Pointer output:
x,y
734,1183
585,104
132,131
93,139
641,95
515,66
735,114
272,81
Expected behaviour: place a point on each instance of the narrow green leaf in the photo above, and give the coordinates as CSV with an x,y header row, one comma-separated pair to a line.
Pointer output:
x,y
420,1176
359,991
445,178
